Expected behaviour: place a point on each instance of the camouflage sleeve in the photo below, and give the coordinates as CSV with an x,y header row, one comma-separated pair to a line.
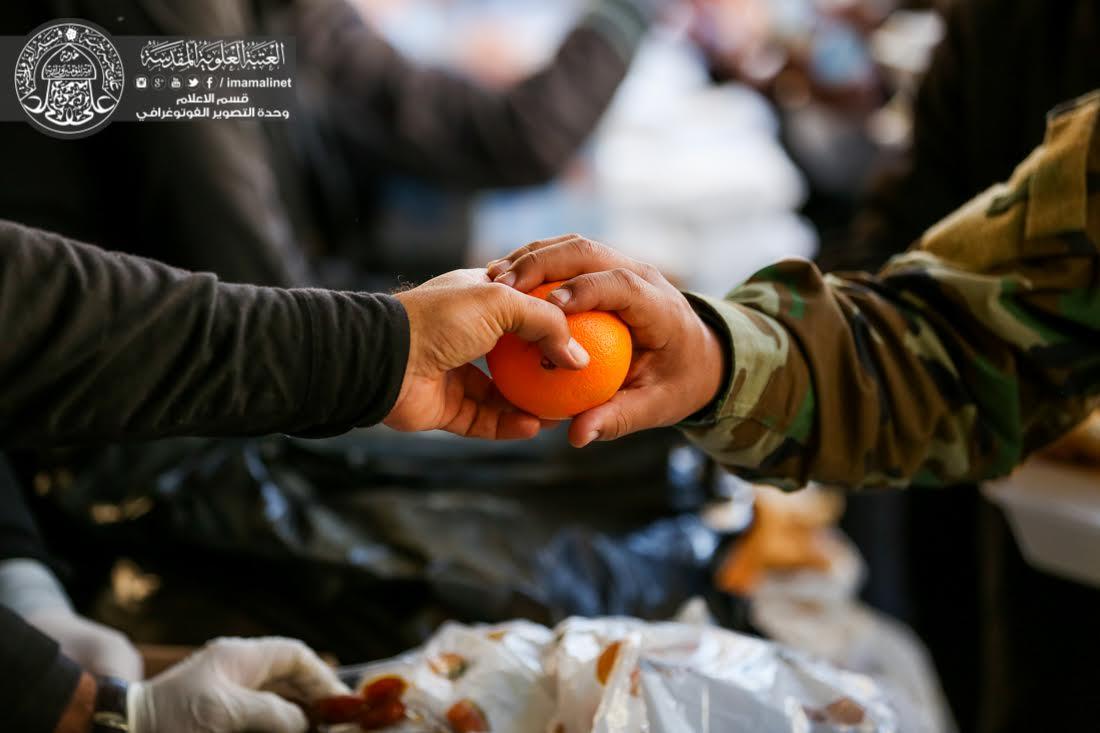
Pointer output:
x,y
974,348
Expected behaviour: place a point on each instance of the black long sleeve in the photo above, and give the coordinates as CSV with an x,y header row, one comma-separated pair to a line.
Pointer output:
x,y
98,346
400,117
38,679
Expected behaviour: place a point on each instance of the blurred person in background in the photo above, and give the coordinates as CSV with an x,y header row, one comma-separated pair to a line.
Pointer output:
x,y
262,203
981,107
107,347
817,61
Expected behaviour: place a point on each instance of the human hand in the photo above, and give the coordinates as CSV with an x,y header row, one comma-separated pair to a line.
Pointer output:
x,y
459,317
31,590
234,686
678,364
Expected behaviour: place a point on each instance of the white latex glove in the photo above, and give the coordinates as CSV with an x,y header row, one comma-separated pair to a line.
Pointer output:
x,y
32,591
230,686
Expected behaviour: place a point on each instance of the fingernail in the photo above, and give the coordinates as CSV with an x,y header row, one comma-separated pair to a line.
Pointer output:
x,y
495,267
592,437
578,353
508,278
562,296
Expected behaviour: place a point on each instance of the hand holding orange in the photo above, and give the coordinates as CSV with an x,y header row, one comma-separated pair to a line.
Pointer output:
x,y
533,383
454,319
677,363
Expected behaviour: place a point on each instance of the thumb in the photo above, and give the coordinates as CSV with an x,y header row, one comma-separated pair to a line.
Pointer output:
x,y
267,712
627,412
535,320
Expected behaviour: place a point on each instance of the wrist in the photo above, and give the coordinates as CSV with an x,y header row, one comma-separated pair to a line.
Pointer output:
x,y
407,299
714,368
77,716
716,361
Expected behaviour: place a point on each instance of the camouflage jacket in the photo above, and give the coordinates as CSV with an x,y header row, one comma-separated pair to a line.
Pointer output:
x,y
961,356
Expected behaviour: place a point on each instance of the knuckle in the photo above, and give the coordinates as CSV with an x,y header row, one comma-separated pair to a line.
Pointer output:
x,y
222,646
586,247
526,261
648,272
544,311
559,319
211,707
499,301
622,424
496,292
521,251
581,283
628,279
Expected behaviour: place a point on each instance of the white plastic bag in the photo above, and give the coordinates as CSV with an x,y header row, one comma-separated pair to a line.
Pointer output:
x,y
619,675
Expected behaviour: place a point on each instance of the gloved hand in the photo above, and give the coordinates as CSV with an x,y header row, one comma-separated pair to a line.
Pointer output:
x,y
234,686
32,591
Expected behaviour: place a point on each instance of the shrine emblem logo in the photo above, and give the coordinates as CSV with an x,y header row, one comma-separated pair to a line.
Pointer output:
x,y
69,78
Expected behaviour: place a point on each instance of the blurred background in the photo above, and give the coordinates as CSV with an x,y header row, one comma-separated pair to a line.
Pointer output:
x,y
743,131
740,135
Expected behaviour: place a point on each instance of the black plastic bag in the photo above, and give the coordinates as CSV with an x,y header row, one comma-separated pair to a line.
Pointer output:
x,y
363,544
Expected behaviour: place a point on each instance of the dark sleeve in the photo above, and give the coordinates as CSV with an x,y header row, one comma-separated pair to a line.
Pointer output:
x,y
19,536
36,680
99,346
926,185
402,118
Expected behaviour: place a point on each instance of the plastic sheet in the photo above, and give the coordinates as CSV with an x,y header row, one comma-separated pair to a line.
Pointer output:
x,y
819,613
617,675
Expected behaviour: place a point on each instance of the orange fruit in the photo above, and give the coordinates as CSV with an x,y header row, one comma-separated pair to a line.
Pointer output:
x,y
533,383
